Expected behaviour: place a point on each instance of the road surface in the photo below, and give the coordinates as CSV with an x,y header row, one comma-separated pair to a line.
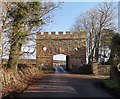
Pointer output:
x,y
65,85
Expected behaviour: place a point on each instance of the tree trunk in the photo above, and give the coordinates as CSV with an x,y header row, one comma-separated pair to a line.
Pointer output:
x,y
1,50
14,54
15,47
97,43
97,51
13,57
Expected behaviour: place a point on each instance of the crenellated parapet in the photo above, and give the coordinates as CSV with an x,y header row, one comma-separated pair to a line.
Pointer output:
x,y
61,35
51,43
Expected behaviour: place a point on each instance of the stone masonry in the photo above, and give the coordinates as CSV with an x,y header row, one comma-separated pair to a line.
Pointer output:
x,y
72,45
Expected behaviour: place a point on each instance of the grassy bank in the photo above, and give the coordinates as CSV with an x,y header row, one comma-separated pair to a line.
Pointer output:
x,y
14,82
112,85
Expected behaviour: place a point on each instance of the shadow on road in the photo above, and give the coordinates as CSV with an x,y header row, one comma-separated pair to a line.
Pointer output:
x,y
65,85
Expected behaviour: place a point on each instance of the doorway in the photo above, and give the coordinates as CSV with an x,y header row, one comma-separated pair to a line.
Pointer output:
x,y
59,62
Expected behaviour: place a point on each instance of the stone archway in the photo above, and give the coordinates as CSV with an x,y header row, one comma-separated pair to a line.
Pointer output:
x,y
72,45
59,59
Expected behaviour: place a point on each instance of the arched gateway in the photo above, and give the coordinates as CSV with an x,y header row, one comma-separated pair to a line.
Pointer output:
x,y
72,45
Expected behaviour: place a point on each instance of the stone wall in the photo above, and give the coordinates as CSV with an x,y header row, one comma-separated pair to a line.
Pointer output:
x,y
28,62
45,61
104,69
99,69
75,62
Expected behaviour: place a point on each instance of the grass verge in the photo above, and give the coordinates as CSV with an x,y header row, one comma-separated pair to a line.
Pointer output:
x,y
112,85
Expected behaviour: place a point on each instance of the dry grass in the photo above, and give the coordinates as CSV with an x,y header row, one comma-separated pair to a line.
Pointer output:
x,y
17,81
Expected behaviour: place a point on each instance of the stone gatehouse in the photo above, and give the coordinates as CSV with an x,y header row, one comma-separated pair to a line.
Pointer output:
x,y
73,45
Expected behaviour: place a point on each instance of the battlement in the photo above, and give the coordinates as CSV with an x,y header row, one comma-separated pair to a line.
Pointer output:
x,y
61,35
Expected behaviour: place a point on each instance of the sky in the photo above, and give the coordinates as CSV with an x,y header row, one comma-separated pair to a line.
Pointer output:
x,y
59,57
64,17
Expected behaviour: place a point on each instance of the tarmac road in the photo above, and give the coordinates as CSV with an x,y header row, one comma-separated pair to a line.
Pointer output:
x,y
65,85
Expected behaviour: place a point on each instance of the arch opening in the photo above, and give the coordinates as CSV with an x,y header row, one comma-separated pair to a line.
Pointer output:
x,y
59,62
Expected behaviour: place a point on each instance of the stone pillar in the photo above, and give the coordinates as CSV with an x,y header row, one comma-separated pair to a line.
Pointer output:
x,y
95,67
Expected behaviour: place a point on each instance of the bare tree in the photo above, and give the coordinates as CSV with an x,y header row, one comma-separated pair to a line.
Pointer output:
x,y
93,22
3,24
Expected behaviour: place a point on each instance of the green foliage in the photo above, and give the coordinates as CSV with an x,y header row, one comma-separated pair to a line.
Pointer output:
x,y
115,56
116,44
20,14
24,17
112,85
25,12
115,49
